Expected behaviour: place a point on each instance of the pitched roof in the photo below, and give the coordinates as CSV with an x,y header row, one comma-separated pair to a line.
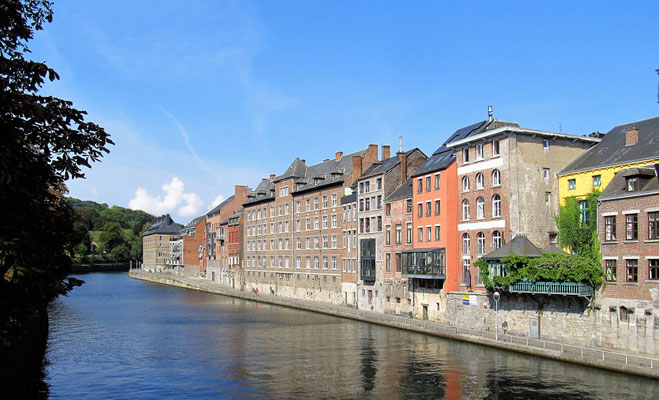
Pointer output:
x,y
439,160
520,246
263,192
216,210
386,165
611,150
648,183
551,249
326,173
351,198
163,225
404,191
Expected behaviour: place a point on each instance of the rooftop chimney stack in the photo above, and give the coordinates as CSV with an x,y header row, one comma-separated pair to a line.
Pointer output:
x,y
357,165
490,113
272,177
400,140
631,136
386,152
403,166
339,154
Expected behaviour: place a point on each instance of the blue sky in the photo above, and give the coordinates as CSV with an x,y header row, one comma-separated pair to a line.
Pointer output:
x,y
202,95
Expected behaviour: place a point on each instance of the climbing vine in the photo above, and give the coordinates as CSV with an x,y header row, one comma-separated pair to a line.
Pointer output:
x,y
576,233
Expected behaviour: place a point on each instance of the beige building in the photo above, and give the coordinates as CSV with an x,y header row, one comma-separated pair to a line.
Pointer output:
x,y
155,243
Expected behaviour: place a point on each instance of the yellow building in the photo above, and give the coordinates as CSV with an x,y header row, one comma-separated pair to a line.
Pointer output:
x,y
630,145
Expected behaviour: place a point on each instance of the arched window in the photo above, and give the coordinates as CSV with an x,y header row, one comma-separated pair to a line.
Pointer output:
x,y
465,184
480,208
481,243
465,210
496,206
496,178
480,181
496,240
466,243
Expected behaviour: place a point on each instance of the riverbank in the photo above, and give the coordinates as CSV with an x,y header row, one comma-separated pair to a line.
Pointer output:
x,y
82,268
612,360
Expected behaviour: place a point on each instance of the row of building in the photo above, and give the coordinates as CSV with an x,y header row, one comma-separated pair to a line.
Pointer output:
x,y
396,233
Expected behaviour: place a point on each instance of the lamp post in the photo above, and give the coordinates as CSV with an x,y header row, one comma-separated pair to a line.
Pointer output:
x,y
496,296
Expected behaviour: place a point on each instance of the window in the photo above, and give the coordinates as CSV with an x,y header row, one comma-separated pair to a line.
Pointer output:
x,y
465,184
545,144
335,221
410,207
297,206
325,203
437,233
378,182
480,208
334,199
298,243
419,185
547,197
653,273
388,263
428,208
583,211
437,182
437,208
496,240
480,181
387,234
597,180
466,243
632,270
420,208
409,233
465,210
325,219
496,178
398,233
631,229
465,155
420,236
610,266
571,184
325,262
481,243
610,228
315,203
387,209
399,265
428,187
428,233
479,151
495,148
545,173
653,225
307,204
632,184
496,206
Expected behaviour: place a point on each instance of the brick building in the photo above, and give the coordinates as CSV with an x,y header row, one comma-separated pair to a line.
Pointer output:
x,y
507,186
628,229
230,250
374,186
293,243
191,239
155,242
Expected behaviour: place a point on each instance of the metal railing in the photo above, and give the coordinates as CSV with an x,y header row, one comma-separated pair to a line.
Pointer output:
x,y
562,288
552,348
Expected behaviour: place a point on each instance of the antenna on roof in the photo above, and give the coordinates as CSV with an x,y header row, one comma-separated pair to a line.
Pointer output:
x,y
658,87
490,113
400,139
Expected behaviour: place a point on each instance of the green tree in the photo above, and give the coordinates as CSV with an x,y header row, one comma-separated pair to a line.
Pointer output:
x,y
112,236
578,230
44,141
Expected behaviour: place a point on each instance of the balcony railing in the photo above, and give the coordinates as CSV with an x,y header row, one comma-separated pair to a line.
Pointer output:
x,y
561,288
425,264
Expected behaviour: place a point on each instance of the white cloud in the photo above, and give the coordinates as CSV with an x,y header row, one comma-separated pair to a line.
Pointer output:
x,y
175,198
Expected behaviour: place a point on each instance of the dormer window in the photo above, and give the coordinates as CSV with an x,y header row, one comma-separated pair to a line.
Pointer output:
x,y
465,155
632,184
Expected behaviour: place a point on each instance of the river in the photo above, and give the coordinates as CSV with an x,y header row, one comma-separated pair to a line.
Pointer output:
x,y
116,337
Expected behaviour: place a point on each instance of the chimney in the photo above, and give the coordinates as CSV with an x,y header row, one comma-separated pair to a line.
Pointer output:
x,y
631,136
357,165
339,154
373,149
272,177
386,151
490,113
403,166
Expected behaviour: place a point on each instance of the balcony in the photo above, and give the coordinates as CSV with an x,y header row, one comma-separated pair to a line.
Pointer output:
x,y
556,288
425,264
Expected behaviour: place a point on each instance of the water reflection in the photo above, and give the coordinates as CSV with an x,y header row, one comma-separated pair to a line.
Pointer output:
x,y
121,338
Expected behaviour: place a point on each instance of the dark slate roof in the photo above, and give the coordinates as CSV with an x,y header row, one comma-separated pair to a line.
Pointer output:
x,y
263,192
297,169
611,150
520,246
163,225
215,211
551,249
404,191
351,198
470,130
648,183
327,173
385,166
439,160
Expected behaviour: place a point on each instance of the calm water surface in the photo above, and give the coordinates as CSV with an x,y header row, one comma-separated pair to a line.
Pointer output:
x,y
116,337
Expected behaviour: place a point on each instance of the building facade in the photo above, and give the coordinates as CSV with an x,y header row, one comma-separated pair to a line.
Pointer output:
x,y
349,250
155,243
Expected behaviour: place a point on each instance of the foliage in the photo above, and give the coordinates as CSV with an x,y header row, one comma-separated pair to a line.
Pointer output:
x,y
577,236
109,228
44,142
547,267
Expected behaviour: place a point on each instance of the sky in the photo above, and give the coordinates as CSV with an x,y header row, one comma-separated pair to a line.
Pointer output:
x,y
200,96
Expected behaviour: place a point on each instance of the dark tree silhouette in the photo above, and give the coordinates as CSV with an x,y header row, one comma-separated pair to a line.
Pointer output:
x,y
43,142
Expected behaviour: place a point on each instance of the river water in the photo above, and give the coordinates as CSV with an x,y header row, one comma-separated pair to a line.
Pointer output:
x,y
116,337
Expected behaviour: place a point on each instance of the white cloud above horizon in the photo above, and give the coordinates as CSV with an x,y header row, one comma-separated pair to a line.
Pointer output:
x,y
175,199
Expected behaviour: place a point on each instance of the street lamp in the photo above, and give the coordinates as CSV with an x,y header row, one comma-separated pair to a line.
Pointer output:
x,y
496,296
